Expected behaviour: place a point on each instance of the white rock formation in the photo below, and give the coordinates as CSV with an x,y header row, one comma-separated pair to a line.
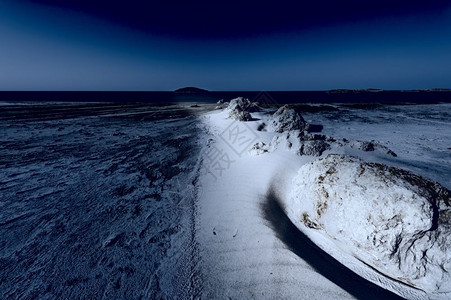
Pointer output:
x,y
392,220
286,119
240,115
300,143
303,143
243,104
240,109
294,141
221,104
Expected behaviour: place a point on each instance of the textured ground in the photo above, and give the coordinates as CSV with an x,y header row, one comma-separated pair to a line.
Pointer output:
x,y
419,134
249,247
97,201
102,201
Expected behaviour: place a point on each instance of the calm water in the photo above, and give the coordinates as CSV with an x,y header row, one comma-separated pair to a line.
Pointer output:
x,y
211,97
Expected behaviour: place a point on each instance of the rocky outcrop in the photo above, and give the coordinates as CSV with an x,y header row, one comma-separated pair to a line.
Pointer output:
x,y
304,143
240,115
243,104
259,148
240,109
295,134
392,220
295,141
221,104
313,148
371,146
286,119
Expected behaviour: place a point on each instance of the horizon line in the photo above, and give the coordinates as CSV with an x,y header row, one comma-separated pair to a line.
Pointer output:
x,y
207,91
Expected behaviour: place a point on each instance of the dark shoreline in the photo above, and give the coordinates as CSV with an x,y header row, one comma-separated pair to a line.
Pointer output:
x,y
269,97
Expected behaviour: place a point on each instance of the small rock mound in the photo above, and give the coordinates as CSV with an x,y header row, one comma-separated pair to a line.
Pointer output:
x,y
286,119
372,146
240,109
297,142
221,104
313,148
243,104
240,115
396,222
258,148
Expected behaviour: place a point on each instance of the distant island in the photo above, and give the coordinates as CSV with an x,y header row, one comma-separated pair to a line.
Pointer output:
x,y
190,90
430,90
345,91
372,90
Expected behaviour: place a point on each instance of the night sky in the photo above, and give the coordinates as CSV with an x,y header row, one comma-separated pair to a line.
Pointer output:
x,y
224,45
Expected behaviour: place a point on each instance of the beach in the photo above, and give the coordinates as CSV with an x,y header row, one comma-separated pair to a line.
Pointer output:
x,y
97,200
105,200
251,249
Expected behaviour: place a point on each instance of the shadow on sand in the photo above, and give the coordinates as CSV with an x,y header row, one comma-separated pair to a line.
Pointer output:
x,y
322,262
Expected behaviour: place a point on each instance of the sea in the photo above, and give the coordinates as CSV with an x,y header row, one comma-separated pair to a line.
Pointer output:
x,y
280,97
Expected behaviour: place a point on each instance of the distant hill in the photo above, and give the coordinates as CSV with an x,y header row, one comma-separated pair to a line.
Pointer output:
x,y
190,90
371,90
344,91
430,90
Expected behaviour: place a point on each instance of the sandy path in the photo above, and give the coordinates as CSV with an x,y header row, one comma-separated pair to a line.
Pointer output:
x,y
240,254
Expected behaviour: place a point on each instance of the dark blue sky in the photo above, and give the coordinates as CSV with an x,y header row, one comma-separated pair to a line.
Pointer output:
x,y
279,45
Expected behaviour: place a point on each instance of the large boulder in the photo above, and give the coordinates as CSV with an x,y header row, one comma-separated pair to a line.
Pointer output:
x,y
286,119
396,222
